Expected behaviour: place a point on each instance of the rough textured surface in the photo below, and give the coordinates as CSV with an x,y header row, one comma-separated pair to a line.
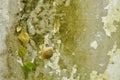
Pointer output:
x,y
4,19
111,27
9,68
70,27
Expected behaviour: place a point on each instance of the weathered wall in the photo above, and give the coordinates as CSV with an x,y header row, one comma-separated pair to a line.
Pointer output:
x,y
83,37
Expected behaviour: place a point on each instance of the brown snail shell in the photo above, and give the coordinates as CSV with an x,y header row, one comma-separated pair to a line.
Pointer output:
x,y
47,53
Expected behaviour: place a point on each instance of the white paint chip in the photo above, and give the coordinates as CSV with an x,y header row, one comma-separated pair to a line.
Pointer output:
x,y
94,44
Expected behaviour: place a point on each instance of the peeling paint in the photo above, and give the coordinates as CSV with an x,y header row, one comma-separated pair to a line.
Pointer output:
x,y
113,71
113,15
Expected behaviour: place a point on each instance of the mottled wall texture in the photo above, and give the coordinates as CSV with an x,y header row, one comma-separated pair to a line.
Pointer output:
x,y
59,39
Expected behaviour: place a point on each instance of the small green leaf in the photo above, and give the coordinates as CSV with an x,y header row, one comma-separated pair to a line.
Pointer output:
x,y
22,51
28,66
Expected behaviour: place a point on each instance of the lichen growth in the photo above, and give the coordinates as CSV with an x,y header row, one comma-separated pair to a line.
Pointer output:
x,y
112,72
113,15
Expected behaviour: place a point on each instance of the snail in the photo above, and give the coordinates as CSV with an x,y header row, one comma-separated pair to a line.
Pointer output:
x,y
47,52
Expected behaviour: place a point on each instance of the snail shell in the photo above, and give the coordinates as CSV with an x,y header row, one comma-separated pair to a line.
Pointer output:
x,y
47,53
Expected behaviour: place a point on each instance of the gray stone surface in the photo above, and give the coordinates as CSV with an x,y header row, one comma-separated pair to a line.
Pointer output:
x,y
4,20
